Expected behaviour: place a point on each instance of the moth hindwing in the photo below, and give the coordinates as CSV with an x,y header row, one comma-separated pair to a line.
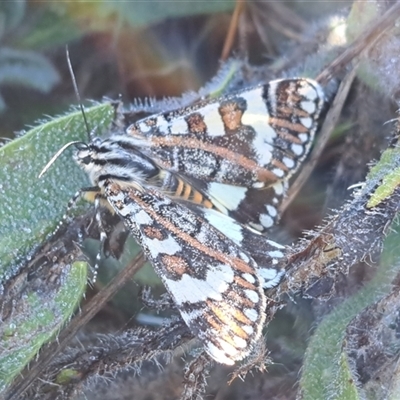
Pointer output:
x,y
214,284
238,150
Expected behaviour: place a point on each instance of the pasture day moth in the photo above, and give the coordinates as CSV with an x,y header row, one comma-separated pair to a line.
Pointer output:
x,y
196,186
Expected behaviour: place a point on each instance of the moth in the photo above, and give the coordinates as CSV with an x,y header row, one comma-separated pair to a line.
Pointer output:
x,y
185,184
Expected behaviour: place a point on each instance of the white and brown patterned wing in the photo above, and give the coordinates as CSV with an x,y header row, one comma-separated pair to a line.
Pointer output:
x,y
214,283
252,138
256,208
268,255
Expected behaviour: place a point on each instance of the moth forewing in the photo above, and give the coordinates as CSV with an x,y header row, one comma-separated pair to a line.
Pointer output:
x,y
251,138
238,150
214,284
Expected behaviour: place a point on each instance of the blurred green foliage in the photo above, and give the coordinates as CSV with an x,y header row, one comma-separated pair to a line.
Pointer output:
x,y
19,66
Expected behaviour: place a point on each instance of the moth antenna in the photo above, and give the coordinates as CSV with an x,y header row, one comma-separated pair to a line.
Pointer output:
x,y
78,96
59,152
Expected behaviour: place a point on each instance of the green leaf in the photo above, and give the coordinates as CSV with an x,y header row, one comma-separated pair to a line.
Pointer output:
x,y
27,68
345,381
51,29
32,207
387,170
37,319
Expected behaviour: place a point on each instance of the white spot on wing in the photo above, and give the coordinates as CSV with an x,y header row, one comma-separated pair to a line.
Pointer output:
x,y
278,172
257,116
240,342
258,185
255,226
252,295
162,124
304,137
244,257
227,347
167,246
271,279
271,210
252,315
212,119
263,149
308,89
308,106
193,290
297,149
248,329
275,254
227,195
248,277
144,127
267,273
178,126
226,225
278,188
266,220
307,122
288,162
217,354
272,93
142,218
256,107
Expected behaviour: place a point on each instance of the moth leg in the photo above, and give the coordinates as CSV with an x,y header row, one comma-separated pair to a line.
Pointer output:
x,y
164,303
91,194
71,204
103,235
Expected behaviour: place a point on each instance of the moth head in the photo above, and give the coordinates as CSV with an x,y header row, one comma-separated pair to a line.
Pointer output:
x,y
93,158
86,153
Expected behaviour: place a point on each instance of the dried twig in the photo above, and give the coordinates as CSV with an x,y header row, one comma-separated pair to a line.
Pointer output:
x,y
364,42
230,36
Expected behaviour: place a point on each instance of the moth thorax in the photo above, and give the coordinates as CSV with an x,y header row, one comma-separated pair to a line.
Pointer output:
x,y
108,160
